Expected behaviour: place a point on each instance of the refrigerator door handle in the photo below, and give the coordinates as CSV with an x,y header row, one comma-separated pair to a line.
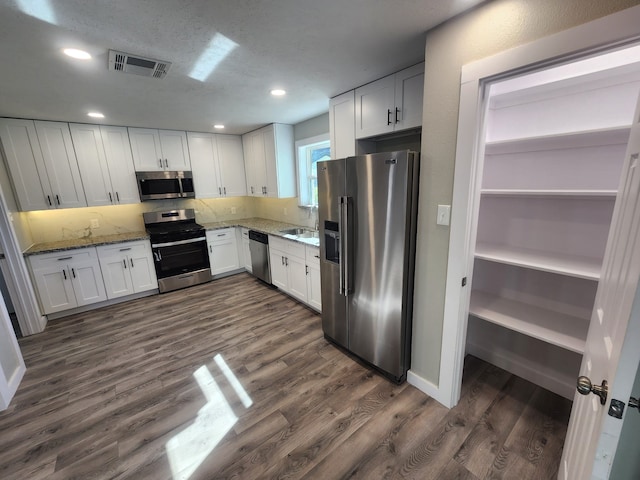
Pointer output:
x,y
345,254
340,247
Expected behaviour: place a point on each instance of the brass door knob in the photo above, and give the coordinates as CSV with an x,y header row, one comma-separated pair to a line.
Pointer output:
x,y
585,387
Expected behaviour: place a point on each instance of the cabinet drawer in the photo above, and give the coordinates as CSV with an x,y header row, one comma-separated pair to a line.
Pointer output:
x,y
65,257
224,234
290,247
312,255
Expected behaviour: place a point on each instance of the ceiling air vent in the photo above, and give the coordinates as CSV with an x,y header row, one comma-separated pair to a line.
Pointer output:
x,y
146,67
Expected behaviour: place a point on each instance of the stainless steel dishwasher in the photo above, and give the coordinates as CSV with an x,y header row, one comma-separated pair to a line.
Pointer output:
x,y
259,248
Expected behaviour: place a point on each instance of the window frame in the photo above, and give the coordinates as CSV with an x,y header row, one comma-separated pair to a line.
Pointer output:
x,y
303,175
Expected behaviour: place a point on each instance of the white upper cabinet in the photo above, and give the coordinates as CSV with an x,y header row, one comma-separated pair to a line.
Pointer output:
x,y
42,164
217,165
270,162
231,163
390,104
342,125
158,150
106,165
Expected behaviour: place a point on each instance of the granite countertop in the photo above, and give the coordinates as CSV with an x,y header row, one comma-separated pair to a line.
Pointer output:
x,y
270,227
92,241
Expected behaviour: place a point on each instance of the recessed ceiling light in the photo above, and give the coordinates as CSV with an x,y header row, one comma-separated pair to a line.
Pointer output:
x,y
96,114
78,54
218,126
278,92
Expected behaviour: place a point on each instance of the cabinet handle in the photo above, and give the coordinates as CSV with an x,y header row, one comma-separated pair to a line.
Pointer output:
x,y
219,191
251,193
306,269
49,200
224,189
64,273
397,112
222,234
317,256
117,197
110,197
125,249
166,163
286,262
124,261
158,256
65,258
131,261
282,260
58,199
210,249
160,160
73,272
388,117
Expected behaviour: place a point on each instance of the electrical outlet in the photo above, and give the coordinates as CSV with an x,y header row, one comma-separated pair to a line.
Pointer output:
x,y
233,210
444,213
95,223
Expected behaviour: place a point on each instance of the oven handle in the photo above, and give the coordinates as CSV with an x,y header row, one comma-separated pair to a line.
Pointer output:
x,y
179,242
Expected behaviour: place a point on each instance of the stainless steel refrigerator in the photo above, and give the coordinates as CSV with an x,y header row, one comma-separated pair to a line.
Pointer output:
x,y
367,207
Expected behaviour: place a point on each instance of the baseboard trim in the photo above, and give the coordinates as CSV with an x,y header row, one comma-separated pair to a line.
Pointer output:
x,y
427,387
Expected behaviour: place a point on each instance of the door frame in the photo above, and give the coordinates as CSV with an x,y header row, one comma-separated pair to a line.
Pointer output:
x,y
600,35
18,281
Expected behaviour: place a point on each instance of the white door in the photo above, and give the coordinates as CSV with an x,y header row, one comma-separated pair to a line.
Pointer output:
x,y
143,271
230,158
92,161
11,363
54,288
592,435
314,296
146,150
117,280
342,126
175,150
88,284
375,107
297,277
203,150
408,97
278,270
120,161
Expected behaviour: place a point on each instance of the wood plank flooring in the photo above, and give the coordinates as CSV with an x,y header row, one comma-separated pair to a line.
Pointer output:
x,y
233,379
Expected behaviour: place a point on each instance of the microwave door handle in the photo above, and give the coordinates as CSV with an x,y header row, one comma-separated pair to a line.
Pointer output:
x,y
181,189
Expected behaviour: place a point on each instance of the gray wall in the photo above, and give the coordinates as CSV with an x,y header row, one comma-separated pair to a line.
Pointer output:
x,y
486,30
310,128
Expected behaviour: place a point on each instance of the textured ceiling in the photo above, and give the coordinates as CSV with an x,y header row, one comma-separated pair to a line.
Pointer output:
x,y
314,49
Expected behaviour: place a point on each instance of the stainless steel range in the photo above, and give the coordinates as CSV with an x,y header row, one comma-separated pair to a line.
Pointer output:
x,y
179,247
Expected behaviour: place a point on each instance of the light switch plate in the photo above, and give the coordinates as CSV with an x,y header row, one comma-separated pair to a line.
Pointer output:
x,y
444,214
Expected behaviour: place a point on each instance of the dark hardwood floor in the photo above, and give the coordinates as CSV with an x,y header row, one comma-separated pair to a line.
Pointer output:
x,y
232,379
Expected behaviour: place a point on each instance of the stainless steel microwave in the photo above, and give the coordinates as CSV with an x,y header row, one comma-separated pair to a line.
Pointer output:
x,y
163,185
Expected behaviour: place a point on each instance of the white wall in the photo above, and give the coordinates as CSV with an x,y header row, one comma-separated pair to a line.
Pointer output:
x,y
486,30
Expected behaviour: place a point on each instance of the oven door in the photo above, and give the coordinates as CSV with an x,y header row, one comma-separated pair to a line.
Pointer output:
x,y
180,257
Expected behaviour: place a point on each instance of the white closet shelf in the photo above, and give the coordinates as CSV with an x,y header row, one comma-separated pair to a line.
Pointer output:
x,y
553,327
563,264
587,138
549,193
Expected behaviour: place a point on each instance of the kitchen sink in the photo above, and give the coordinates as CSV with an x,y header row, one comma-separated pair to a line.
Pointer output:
x,y
311,237
293,231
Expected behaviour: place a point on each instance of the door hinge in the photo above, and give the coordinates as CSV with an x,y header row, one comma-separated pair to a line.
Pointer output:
x,y
616,408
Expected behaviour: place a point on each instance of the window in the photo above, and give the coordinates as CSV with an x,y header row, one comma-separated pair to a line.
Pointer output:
x,y
309,151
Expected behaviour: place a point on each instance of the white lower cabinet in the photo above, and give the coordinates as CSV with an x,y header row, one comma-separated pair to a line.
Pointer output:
x,y
223,250
295,269
127,268
314,298
244,248
67,279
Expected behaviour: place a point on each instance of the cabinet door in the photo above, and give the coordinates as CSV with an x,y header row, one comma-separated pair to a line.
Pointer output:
x,y
117,279
231,163
146,149
342,125
375,107
223,251
247,153
247,255
259,164
88,284
92,162
278,270
26,164
314,298
204,159
175,150
142,268
297,277
408,97
61,164
55,289
270,161
117,149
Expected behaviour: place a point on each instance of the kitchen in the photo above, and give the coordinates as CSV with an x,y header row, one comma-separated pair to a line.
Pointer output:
x,y
435,184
